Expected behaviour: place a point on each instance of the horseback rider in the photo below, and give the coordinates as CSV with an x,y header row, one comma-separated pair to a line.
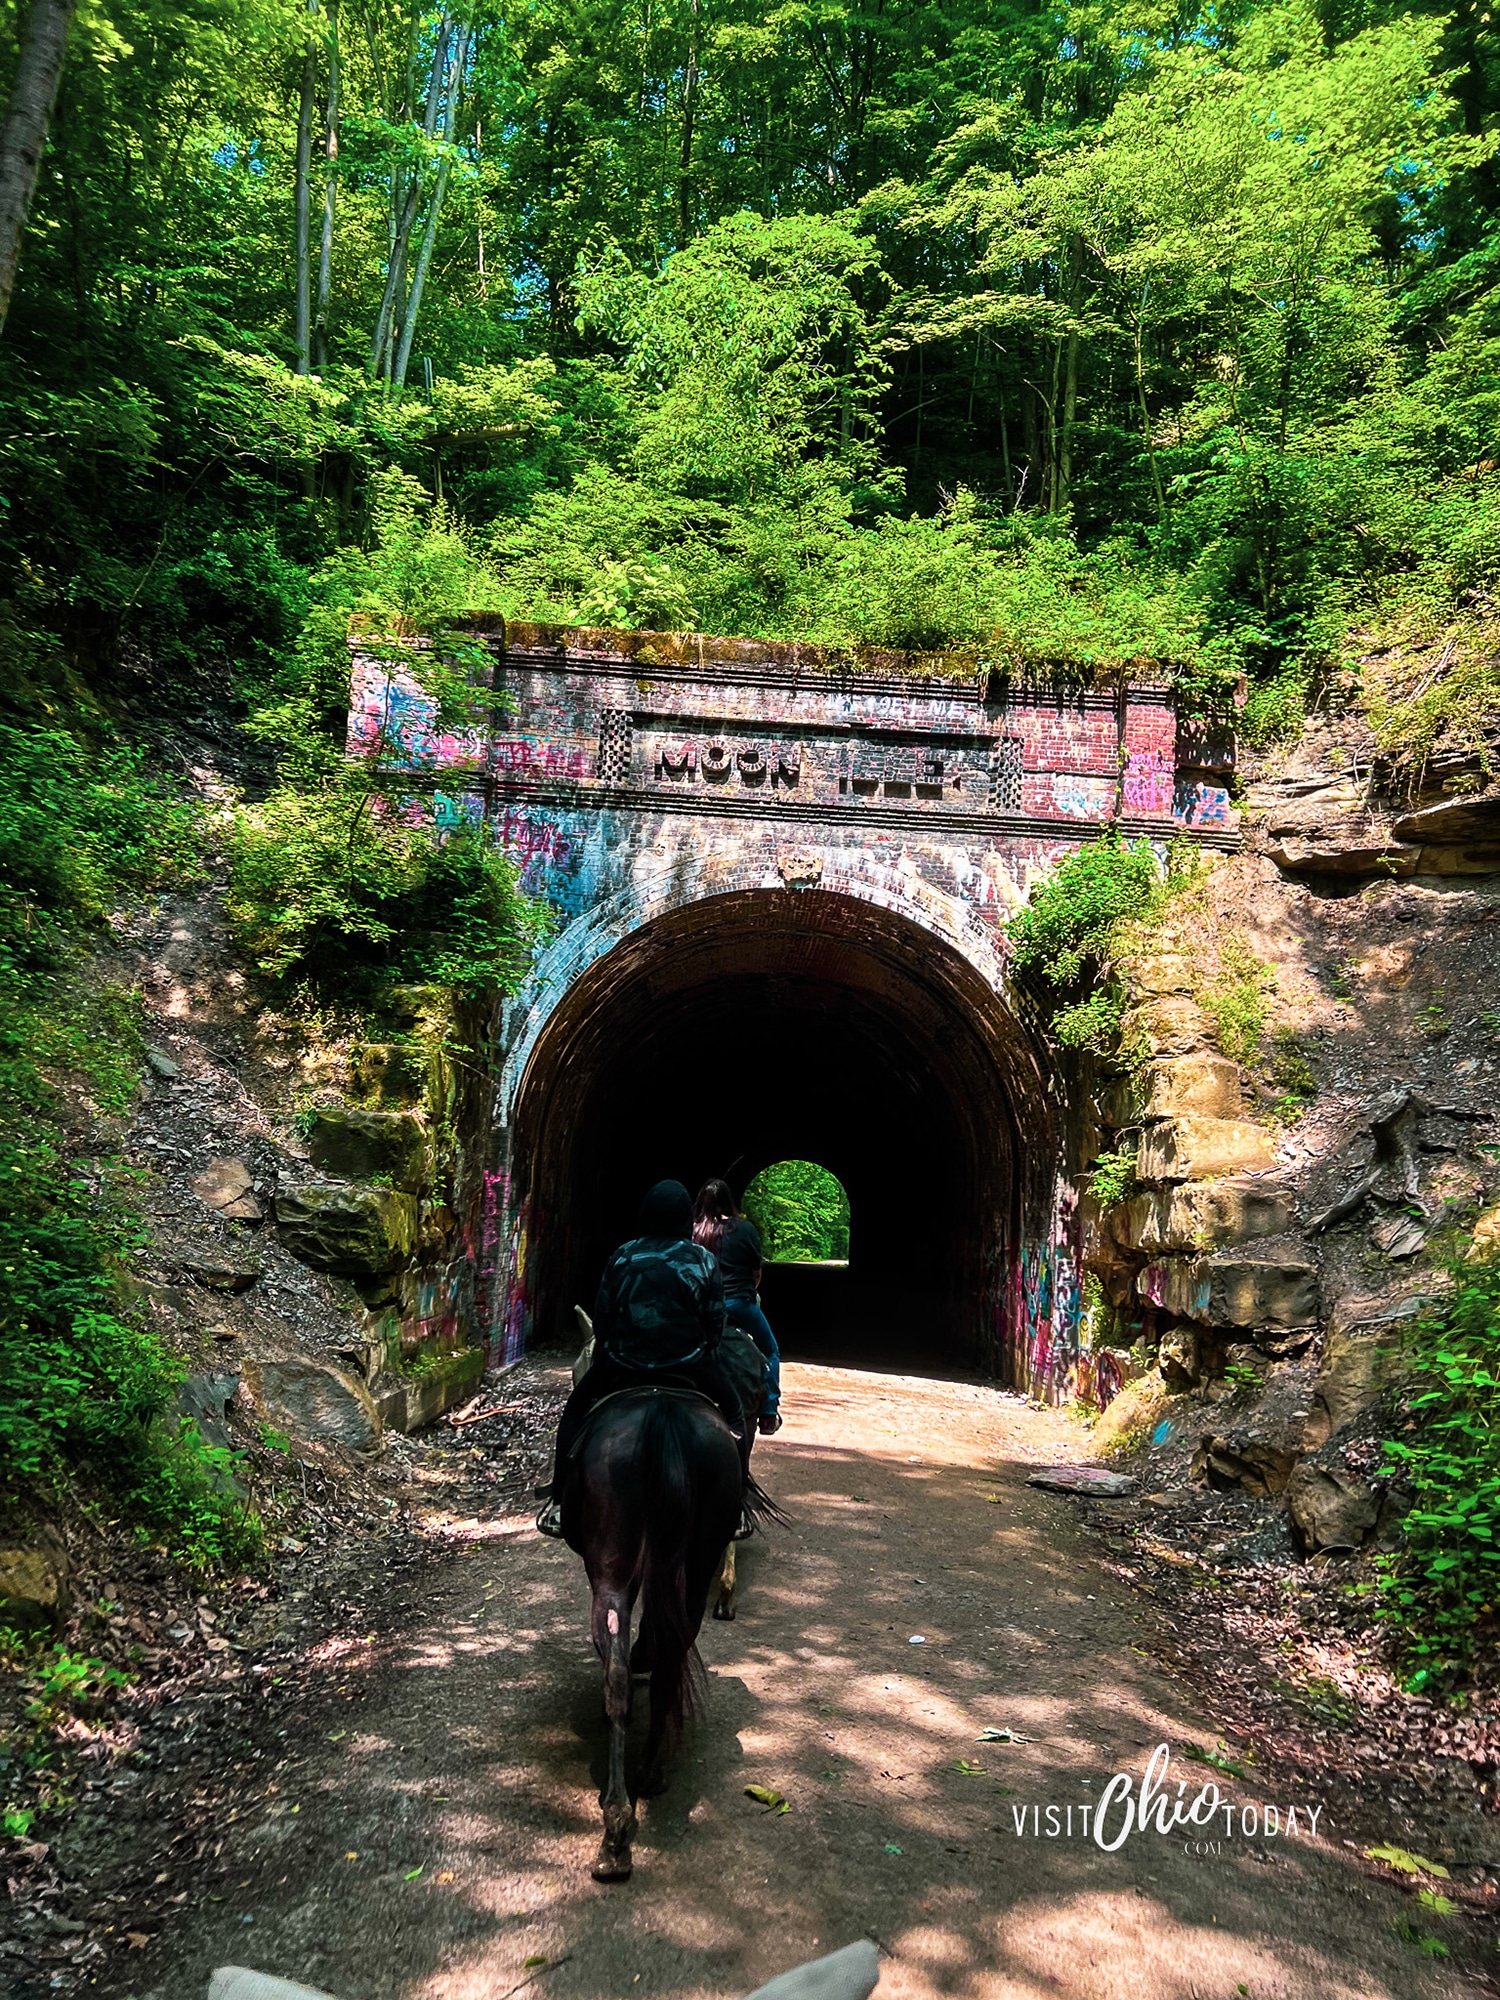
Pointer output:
x,y
735,1241
659,1316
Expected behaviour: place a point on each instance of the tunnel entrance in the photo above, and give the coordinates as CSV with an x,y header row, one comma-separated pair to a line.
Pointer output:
x,y
773,1024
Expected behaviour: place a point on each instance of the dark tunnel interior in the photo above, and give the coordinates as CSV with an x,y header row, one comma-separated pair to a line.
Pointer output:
x,y
770,1025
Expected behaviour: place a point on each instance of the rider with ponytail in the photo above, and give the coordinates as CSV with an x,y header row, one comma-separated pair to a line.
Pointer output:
x,y
735,1241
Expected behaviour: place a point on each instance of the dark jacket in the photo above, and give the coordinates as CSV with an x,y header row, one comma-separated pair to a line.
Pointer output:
x,y
660,1303
740,1258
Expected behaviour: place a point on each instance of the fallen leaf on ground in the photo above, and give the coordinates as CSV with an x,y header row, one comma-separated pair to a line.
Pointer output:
x,y
137,1940
1001,1736
764,1796
412,1873
528,1963
446,1875
967,1770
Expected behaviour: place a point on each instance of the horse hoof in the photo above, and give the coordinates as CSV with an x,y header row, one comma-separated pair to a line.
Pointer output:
x,y
612,1868
723,1610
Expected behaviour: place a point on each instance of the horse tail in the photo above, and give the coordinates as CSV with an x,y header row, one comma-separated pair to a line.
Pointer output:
x,y
761,1507
667,1488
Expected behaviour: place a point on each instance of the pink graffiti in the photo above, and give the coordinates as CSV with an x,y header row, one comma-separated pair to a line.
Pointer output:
x,y
1148,783
528,839
526,757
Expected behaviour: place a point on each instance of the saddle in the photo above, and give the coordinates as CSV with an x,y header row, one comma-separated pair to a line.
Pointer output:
x,y
684,1391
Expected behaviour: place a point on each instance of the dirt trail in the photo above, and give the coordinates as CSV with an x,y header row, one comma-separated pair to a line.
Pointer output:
x,y
469,1747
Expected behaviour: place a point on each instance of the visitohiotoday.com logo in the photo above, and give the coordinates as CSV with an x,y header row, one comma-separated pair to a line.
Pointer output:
x,y
1162,1807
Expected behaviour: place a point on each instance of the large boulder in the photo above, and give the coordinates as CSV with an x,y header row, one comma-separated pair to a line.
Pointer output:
x,y
1193,1085
370,1145
1171,1025
34,1586
1234,1291
1259,1465
313,1400
1161,974
1455,821
1359,1365
226,1185
1332,1508
1201,1215
1355,854
353,1231
220,1270
1201,1149
409,1403
1177,1355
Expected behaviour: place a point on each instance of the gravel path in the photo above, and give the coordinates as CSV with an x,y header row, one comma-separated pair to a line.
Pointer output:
x,y
434,1842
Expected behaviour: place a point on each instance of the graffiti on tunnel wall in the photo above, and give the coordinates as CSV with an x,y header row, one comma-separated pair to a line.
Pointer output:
x,y
624,787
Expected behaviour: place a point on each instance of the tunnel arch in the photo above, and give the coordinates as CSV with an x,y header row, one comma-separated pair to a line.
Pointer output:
x,y
728,1031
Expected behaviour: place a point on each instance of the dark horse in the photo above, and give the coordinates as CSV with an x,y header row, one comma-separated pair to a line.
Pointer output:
x,y
653,1501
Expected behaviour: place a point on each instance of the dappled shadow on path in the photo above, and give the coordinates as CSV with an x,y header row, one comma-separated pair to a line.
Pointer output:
x,y
477,1755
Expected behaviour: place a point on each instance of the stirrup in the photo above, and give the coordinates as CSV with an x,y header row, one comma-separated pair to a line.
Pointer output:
x,y
747,1526
549,1521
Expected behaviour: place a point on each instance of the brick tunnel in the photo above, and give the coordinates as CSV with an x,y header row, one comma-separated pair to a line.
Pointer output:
x,y
749,1027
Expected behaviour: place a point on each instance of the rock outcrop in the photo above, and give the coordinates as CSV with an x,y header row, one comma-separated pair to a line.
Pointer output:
x,y
312,1400
388,1146
356,1232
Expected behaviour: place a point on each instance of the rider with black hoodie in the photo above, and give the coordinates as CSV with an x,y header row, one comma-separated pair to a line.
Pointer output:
x,y
658,1317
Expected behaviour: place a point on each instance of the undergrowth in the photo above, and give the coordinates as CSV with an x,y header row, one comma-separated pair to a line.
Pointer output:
x,y
348,879
1068,933
1441,1589
83,1382
1236,999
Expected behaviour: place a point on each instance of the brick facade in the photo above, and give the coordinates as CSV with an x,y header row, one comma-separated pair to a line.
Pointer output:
x,y
640,782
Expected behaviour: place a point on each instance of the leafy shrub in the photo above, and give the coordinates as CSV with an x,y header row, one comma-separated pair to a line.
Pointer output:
x,y
1076,913
1113,1177
328,888
340,880
80,825
1236,999
801,1211
1440,1588
1094,1024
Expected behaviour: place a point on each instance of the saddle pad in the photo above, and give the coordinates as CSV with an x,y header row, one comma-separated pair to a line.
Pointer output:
x,y
238,1982
850,1974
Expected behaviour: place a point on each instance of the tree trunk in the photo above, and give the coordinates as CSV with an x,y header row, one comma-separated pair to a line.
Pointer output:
x,y
1140,390
330,189
382,347
32,96
689,108
434,210
302,312
1070,378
